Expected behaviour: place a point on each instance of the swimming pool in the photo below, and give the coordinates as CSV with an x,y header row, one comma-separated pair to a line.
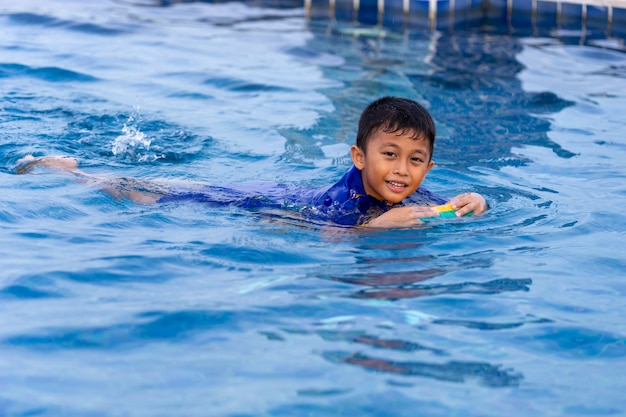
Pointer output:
x,y
110,308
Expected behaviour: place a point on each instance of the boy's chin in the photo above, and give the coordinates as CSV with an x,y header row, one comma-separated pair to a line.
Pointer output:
x,y
392,198
395,200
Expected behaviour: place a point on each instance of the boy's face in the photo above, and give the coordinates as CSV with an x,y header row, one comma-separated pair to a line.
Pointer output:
x,y
393,166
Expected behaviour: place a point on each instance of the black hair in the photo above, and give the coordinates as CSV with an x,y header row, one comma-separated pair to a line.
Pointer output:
x,y
396,115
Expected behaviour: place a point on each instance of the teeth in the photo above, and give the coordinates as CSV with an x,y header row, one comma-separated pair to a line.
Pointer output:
x,y
395,184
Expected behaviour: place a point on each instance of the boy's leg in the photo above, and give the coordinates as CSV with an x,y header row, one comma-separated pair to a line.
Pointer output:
x,y
136,190
29,162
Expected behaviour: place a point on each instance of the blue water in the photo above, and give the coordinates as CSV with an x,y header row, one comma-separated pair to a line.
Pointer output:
x,y
115,309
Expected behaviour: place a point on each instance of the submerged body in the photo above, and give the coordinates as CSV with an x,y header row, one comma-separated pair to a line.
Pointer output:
x,y
345,203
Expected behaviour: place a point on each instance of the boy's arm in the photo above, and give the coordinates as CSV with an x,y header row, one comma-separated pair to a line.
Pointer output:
x,y
406,216
469,203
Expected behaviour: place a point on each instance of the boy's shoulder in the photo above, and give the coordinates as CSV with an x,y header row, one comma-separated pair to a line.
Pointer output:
x,y
348,187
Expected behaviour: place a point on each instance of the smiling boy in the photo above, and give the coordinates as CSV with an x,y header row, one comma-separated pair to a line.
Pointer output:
x,y
392,155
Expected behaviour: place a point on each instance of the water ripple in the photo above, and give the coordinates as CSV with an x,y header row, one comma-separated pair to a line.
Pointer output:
x,y
52,74
573,342
26,292
155,326
34,19
243,86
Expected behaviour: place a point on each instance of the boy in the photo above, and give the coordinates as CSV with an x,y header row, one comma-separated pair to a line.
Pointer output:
x,y
392,155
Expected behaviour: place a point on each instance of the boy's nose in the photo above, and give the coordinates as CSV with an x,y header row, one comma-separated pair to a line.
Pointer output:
x,y
400,168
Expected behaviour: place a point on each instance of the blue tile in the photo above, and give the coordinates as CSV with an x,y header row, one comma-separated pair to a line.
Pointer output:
x,y
443,14
522,14
458,12
418,14
394,13
319,9
618,26
546,17
496,15
571,16
475,11
461,10
597,18
368,12
344,10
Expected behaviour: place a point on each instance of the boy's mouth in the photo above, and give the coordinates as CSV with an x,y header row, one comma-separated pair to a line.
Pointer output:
x,y
396,186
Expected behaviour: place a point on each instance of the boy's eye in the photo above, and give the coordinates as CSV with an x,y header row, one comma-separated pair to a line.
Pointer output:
x,y
389,153
416,159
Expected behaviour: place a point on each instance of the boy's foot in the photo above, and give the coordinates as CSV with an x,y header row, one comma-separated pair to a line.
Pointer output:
x,y
27,163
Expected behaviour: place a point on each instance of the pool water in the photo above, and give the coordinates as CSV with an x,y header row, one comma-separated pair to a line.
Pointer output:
x,y
114,309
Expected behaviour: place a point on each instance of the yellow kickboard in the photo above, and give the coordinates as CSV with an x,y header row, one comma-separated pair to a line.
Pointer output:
x,y
444,208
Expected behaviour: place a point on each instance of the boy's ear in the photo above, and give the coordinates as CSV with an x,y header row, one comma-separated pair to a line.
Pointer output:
x,y
358,157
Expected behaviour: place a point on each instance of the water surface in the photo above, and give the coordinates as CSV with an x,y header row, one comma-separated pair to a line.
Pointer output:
x,y
110,308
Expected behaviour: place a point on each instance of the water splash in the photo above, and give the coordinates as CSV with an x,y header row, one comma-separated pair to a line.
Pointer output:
x,y
133,144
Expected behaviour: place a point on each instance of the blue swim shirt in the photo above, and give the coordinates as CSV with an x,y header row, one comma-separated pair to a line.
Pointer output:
x,y
344,203
347,203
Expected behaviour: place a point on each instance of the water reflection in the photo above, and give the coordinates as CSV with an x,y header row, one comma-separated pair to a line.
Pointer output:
x,y
469,82
474,91
453,371
422,360
491,287
385,279
369,340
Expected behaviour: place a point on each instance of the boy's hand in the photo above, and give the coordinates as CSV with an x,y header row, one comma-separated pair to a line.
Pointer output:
x,y
406,216
469,203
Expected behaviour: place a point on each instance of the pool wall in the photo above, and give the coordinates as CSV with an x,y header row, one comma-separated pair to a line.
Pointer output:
x,y
605,17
